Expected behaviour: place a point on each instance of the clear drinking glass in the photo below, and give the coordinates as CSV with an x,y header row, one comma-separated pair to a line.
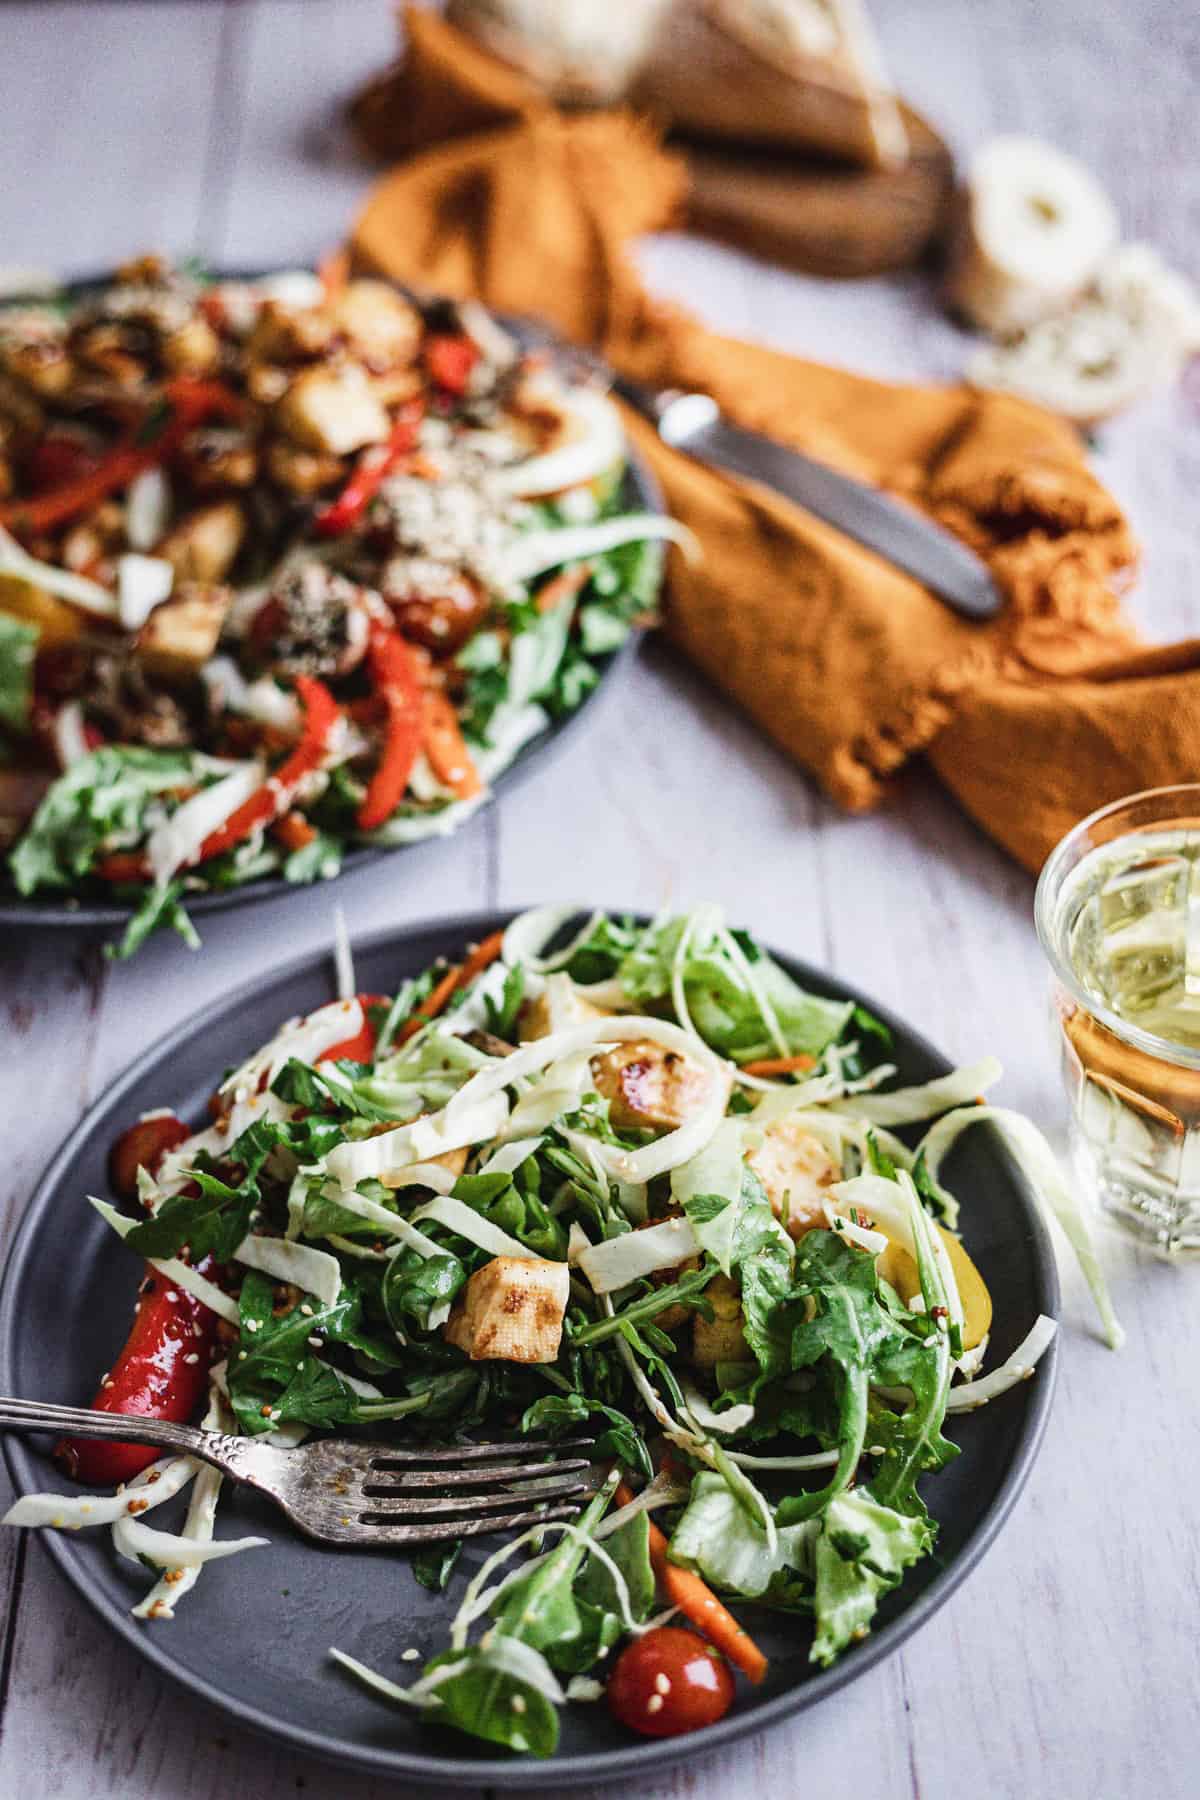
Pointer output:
x,y
1118,915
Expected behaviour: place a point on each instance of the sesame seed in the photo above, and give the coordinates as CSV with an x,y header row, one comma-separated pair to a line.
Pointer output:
x,y
252,1324
654,1704
172,1295
316,1343
107,1382
306,1309
241,1356
410,1656
191,1357
662,1684
518,1703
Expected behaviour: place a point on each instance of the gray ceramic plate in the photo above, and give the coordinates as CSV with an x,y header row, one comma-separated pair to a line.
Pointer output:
x,y
65,1306
640,493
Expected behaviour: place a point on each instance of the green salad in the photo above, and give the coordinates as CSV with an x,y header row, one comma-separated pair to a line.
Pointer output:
x,y
606,1178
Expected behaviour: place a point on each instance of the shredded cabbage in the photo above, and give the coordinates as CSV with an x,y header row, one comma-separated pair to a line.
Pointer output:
x,y
1041,1166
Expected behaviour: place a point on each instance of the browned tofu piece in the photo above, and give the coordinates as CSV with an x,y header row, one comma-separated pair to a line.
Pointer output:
x,y
791,1163
454,1160
511,1311
559,1004
202,547
720,1339
333,409
649,1086
57,622
184,631
383,328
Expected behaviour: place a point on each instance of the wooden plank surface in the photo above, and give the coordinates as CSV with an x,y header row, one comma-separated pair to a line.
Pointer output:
x,y
1068,1665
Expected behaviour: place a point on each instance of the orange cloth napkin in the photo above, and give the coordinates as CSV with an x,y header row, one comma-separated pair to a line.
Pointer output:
x,y
1032,719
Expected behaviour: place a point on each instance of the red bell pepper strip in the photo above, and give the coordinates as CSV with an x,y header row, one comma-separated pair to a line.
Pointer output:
x,y
321,712
189,401
449,360
374,465
143,1146
360,1047
394,673
162,1373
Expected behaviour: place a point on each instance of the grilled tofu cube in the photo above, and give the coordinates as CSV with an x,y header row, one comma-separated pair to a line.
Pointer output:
x,y
559,1004
383,328
202,547
333,409
511,1311
648,1086
184,631
722,1338
795,1166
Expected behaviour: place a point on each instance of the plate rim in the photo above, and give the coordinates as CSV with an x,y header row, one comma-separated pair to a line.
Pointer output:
x,y
56,914
488,1772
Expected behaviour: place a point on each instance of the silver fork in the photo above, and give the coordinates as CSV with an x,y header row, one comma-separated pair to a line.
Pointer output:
x,y
339,1491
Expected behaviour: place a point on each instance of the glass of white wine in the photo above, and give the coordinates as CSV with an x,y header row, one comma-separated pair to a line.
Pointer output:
x,y
1118,914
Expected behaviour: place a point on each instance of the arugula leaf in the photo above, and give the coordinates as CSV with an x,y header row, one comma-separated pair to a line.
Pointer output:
x,y
560,1413
18,646
434,1565
415,1285
856,1335
517,1209
502,1018
484,1698
274,1374
157,907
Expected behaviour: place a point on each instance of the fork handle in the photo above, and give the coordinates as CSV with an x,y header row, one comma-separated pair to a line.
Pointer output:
x,y
129,1428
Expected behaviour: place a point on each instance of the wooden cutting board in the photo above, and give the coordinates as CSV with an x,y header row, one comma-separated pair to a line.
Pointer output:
x,y
821,217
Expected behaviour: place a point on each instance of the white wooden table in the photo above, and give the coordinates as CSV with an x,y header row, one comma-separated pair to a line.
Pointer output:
x,y
1068,1666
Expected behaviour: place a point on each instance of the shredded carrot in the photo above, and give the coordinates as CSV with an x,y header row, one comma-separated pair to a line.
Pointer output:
x,y
333,272
697,1602
457,977
563,587
482,957
445,747
293,831
780,1065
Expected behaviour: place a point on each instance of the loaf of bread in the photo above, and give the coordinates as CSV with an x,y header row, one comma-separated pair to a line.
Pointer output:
x,y
785,74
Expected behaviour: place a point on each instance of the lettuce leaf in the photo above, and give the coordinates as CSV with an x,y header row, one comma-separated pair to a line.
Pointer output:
x,y
719,1539
862,1551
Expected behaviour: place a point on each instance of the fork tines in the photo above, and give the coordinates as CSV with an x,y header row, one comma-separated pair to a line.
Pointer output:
x,y
417,1496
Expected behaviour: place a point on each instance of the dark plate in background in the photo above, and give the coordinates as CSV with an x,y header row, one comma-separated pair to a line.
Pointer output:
x,y
640,493
65,1306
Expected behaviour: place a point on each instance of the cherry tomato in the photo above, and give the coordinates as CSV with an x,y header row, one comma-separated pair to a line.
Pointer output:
x,y
669,1681
143,1146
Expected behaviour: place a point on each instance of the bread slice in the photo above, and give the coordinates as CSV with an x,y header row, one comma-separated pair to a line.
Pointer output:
x,y
796,74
